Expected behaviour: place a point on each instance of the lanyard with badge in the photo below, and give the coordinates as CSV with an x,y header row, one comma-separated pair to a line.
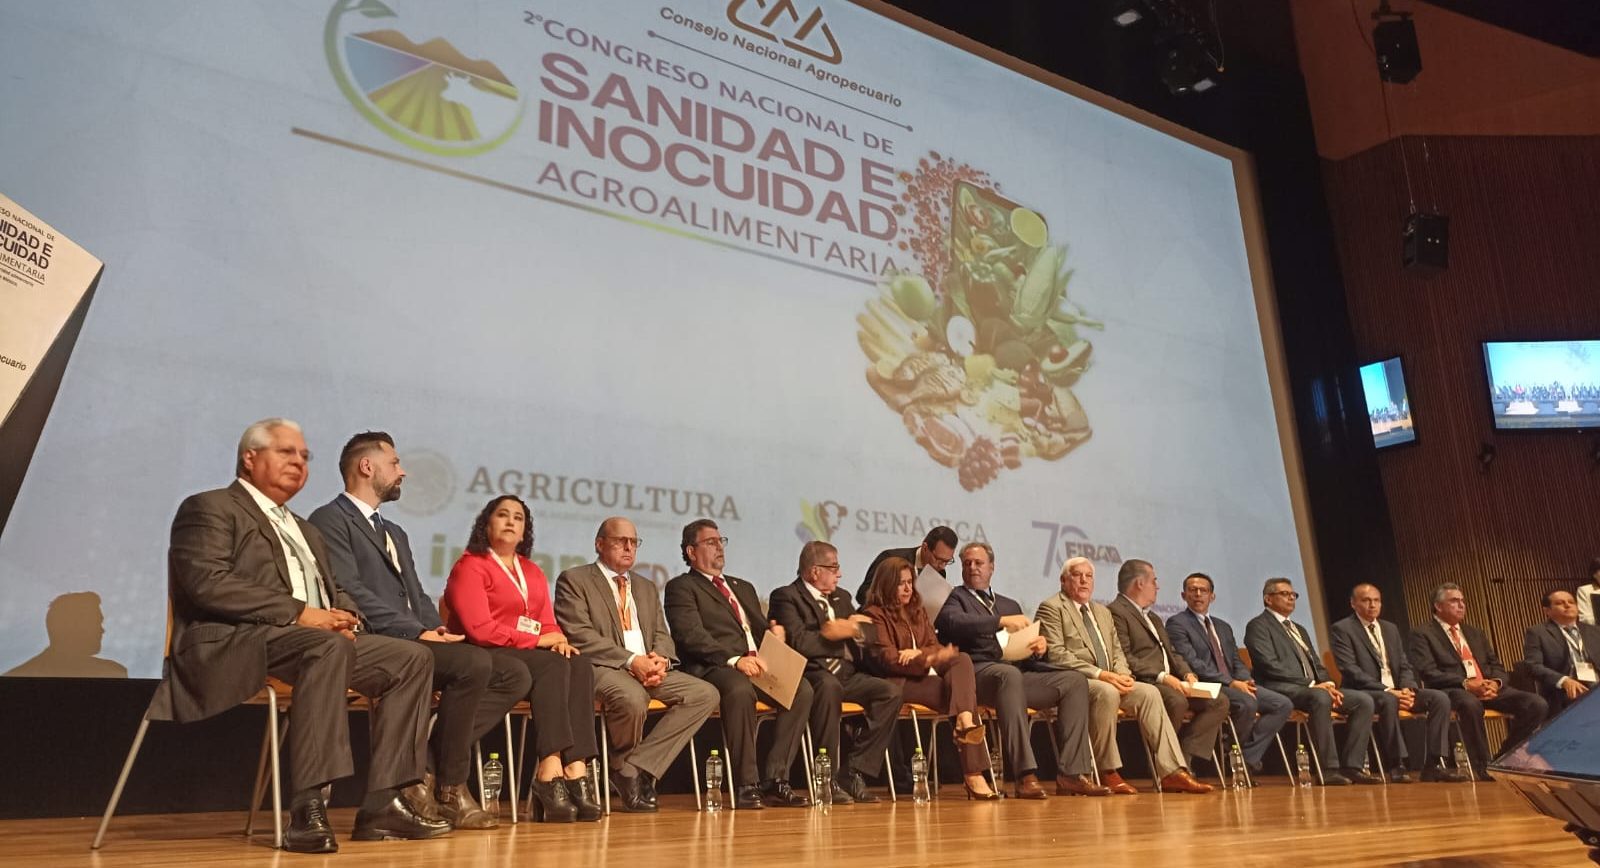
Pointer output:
x,y
1581,667
525,624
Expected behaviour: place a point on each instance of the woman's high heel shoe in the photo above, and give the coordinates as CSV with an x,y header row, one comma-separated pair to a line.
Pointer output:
x,y
981,797
584,798
551,803
973,734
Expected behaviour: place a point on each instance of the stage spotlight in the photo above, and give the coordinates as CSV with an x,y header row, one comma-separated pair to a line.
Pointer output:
x,y
1127,13
1394,41
1189,69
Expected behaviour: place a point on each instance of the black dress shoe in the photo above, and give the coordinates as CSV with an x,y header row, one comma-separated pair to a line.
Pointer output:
x,y
1443,776
584,797
630,794
1358,776
748,798
1481,773
856,786
1399,776
840,796
309,831
1331,778
647,788
396,820
778,794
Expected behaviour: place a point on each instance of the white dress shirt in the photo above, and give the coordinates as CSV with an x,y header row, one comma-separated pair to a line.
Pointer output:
x,y
297,574
633,636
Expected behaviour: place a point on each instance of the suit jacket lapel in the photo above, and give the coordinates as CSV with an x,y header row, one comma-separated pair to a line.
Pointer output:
x,y
264,524
368,531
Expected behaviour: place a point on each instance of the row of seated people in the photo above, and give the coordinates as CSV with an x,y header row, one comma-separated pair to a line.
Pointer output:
x,y
334,603
1552,392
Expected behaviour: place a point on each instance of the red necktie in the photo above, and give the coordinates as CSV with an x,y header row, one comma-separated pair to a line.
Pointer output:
x,y
1465,650
728,595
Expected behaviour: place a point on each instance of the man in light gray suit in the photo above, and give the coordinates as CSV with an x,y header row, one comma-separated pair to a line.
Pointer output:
x,y
614,617
1081,635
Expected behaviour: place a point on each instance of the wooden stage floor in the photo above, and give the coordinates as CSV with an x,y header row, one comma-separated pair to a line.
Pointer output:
x,y
1454,825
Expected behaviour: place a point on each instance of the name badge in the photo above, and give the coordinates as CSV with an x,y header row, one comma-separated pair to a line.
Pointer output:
x,y
526,624
1586,672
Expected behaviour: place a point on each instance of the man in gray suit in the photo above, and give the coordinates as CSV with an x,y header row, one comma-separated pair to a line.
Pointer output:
x,y
1283,658
1372,659
1080,635
614,617
1152,660
253,594
372,557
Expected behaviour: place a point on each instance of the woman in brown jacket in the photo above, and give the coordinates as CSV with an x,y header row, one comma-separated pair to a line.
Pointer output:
x,y
932,675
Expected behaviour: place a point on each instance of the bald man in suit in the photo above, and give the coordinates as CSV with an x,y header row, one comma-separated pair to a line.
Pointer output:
x,y
614,617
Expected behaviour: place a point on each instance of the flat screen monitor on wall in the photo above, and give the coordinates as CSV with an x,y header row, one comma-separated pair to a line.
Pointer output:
x,y
1537,385
1384,385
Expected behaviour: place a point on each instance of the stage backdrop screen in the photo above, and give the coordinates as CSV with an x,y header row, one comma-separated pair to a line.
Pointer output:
x,y
1384,385
1537,385
800,267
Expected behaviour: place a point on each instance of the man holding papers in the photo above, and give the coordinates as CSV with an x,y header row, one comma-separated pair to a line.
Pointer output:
x,y
1152,660
718,627
984,624
1081,636
821,624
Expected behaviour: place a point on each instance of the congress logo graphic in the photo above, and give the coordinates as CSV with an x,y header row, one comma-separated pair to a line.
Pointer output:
x,y
418,88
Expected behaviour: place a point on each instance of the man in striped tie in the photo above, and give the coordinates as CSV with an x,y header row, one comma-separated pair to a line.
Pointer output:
x,y
1207,643
1454,656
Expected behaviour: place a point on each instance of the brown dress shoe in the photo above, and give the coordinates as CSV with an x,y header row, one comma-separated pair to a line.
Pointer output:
x,y
420,797
461,811
1181,781
1118,786
1079,785
1028,788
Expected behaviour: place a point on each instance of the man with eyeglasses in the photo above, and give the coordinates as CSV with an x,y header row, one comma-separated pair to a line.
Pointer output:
x,y
718,626
937,550
253,594
1207,643
1454,656
614,618
821,624
1283,657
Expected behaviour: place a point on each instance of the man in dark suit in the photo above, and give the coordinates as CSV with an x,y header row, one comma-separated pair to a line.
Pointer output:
x,y
614,617
1207,644
820,623
1562,654
718,627
1151,659
1457,658
1284,658
253,594
937,550
1373,660
371,555
972,619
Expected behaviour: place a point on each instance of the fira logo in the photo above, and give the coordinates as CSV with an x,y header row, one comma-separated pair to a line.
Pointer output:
x,y
1066,541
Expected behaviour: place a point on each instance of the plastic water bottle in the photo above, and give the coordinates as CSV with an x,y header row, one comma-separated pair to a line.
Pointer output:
x,y
822,780
494,774
714,782
1236,769
919,778
1302,766
1462,763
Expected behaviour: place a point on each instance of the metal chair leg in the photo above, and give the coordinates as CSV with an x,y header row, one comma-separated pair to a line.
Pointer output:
x,y
277,782
122,780
511,770
1377,757
258,789
1249,779
1303,731
888,770
605,768
694,774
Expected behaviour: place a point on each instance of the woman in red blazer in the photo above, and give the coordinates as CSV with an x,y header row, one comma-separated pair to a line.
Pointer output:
x,y
934,675
499,599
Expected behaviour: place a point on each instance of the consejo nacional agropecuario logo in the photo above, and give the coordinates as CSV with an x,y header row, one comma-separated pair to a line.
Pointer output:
x,y
428,94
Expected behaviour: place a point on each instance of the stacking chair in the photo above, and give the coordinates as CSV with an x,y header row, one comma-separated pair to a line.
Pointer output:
x,y
1372,738
656,707
913,712
1302,735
